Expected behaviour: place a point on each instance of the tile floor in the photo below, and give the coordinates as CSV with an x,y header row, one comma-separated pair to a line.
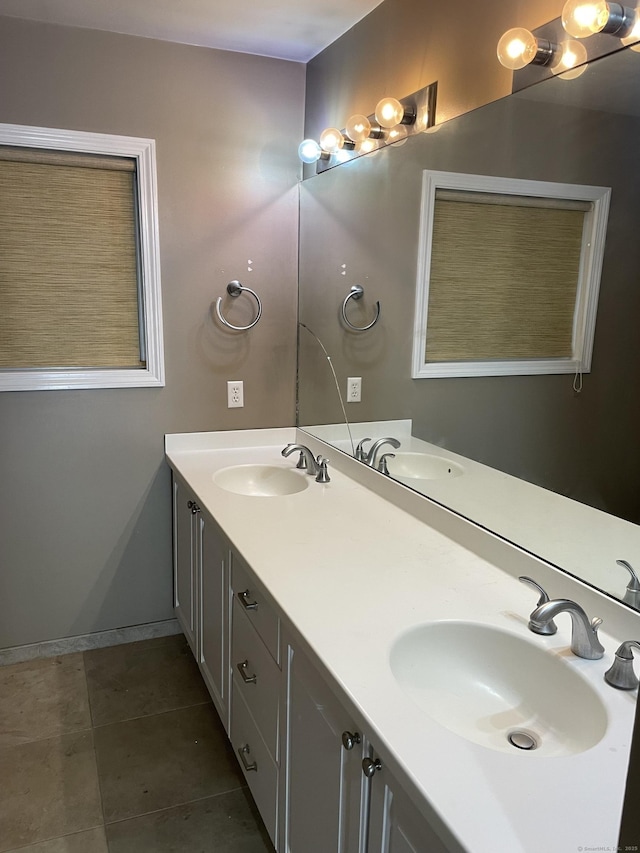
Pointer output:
x,y
119,750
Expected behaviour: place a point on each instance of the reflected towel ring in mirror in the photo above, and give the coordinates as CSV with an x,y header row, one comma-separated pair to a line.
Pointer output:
x,y
357,292
234,288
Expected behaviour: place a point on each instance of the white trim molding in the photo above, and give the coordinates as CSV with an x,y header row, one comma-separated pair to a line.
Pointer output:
x,y
591,256
143,151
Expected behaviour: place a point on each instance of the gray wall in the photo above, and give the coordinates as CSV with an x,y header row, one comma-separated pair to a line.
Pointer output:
x,y
85,537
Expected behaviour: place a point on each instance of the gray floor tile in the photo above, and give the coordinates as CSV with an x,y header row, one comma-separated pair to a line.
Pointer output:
x,y
49,789
42,698
92,841
138,679
227,823
163,760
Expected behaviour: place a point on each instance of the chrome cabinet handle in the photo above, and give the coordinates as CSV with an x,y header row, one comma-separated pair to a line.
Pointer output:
x,y
242,669
193,506
350,739
370,766
243,751
244,600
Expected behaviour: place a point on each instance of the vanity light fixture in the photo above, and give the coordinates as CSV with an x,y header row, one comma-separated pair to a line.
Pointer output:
x,y
519,47
583,18
393,121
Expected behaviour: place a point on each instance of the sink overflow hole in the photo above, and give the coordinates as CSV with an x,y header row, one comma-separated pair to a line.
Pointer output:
x,y
522,740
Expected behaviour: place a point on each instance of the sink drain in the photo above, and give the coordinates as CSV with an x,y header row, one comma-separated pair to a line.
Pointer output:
x,y
522,740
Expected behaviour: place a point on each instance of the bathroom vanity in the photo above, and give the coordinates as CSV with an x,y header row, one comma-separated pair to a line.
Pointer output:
x,y
369,656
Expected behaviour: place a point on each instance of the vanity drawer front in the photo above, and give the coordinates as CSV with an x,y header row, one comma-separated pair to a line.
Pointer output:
x,y
254,604
258,766
256,676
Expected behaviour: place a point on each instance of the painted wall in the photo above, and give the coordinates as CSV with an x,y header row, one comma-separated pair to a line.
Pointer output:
x,y
405,44
85,513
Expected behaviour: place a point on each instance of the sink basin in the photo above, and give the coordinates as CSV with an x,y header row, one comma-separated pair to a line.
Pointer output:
x,y
492,688
264,481
422,466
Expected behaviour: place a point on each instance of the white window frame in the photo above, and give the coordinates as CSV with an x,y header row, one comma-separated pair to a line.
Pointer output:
x,y
591,256
143,151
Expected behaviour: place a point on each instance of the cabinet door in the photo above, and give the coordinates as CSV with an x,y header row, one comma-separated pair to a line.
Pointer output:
x,y
395,822
213,647
325,796
184,560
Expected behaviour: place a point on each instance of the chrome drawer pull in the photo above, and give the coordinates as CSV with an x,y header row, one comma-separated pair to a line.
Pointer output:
x,y
243,751
242,669
244,600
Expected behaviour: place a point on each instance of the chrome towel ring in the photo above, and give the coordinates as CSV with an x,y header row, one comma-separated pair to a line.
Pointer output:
x,y
234,288
357,292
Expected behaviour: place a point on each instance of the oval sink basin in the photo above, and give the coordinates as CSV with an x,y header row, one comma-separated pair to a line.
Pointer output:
x,y
422,466
493,688
263,481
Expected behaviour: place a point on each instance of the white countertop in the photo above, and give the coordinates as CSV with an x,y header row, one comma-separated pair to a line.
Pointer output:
x,y
352,571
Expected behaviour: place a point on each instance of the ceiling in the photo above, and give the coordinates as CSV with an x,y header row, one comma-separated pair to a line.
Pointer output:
x,y
287,29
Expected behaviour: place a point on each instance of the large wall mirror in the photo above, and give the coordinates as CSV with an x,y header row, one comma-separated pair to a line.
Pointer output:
x,y
550,462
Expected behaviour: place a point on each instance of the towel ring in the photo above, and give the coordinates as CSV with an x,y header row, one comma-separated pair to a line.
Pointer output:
x,y
357,292
234,288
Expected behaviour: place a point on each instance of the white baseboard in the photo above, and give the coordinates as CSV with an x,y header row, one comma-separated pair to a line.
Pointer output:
x,y
84,642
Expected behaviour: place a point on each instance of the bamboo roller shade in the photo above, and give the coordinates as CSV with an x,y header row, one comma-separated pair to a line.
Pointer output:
x,y
68,264
503,279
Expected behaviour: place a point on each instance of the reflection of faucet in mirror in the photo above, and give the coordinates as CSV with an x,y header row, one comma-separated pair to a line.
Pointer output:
x,y
370,458
632,594
382,464
584,637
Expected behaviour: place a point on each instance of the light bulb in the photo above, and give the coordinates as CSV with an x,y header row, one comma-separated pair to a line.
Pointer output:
x,y
366,146
398,134
331,140
632,38
309,151
389,112
582,18
570,61
358,128
517,48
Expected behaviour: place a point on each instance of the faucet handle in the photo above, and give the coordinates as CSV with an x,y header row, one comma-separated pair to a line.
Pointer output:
x,y
621,674
382,464
361,453
549,627
323,475
632,592
302,462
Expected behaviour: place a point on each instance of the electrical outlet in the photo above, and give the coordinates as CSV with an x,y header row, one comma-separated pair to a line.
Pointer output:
x,y
235,394
354,389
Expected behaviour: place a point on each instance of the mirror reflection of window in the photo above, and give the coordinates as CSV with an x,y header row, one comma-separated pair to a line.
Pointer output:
x,y
509,278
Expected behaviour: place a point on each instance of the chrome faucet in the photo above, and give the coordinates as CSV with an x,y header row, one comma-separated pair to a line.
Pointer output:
x,y
584,637
361,453
370,457
550,627
307,462
632,592
621,674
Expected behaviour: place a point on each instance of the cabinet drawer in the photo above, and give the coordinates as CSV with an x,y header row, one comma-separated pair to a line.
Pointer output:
x,y
256,676
253,602
258,766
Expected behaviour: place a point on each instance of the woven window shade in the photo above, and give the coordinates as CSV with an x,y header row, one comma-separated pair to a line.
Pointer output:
x,y
503,277
68,261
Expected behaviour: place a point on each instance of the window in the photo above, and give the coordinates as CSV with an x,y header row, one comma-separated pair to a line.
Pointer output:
x,y
80,302
508,276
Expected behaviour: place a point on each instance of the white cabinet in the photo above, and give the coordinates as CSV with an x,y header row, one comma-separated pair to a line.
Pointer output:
x,y
340,795
201,592
315,776
256,691
325,800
